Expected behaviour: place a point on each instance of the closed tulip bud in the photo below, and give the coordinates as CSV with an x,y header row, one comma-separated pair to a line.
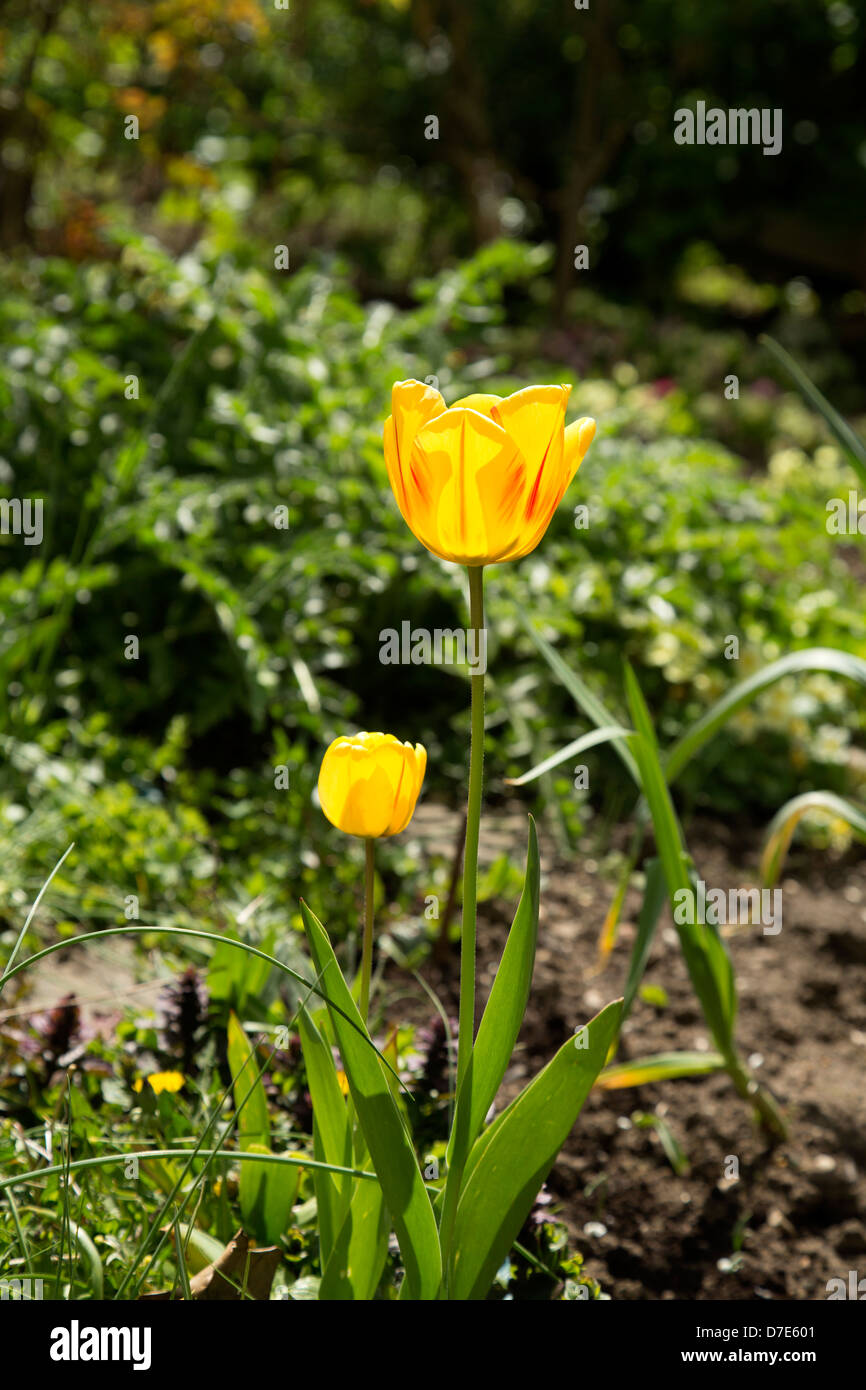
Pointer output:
x,y
479,482
369,783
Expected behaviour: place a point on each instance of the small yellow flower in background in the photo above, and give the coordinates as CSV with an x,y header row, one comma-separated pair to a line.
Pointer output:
x,y
159,1081
343,1082
480,482
369,783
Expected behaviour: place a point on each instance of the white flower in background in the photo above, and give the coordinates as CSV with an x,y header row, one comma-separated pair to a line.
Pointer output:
x,y
786,463
827,691
663,648
830,744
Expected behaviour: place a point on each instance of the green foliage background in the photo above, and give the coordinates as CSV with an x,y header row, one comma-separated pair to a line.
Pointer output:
x,y
153,259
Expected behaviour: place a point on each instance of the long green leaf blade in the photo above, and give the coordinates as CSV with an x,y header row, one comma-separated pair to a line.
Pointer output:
x,y
571,750
654,898
383,1128
517,1152
705,954
503,1014
332,1133
254,1126
781,828
848,438
266,1192
664,1066
582,695
355,1267
808,659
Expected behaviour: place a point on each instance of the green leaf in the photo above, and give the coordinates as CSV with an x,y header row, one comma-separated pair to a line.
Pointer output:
x,y
495,1040
332,1133
249,1094
91,1258
384,1131
266,1192
358,1258
581,694
781,828
848,438
664,1066
503,1014
279,1192
513,1157
707,960
571,750
199,1248
654,898
809,659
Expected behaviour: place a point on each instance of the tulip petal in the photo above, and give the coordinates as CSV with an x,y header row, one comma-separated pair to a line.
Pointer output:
x,y
467,478
413,405
534,418
416,764
482,403
551,484
578,438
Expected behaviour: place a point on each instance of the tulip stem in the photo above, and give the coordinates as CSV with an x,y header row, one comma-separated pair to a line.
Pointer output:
x,y
466,1027
367,946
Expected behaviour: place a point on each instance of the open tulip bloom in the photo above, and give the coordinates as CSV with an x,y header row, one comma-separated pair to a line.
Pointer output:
x,y
477,483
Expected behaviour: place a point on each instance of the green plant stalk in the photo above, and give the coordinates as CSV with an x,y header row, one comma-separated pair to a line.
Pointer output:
x,y
756,1095
466,1025
466,1019
367,947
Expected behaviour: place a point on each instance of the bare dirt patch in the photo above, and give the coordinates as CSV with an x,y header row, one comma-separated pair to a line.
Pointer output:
x,y
796,1217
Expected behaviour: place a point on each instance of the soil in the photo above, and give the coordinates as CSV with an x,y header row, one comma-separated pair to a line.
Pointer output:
x,y
796,1215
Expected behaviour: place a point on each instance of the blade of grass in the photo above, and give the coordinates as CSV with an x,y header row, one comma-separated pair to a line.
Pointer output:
x,y
781,828
40,895
847,437
826,659
664,1066
580,692
233,1155
580,745
181,1260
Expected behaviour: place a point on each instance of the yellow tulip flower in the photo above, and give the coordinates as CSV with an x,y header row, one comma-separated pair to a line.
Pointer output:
x,y
480,481
369,783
